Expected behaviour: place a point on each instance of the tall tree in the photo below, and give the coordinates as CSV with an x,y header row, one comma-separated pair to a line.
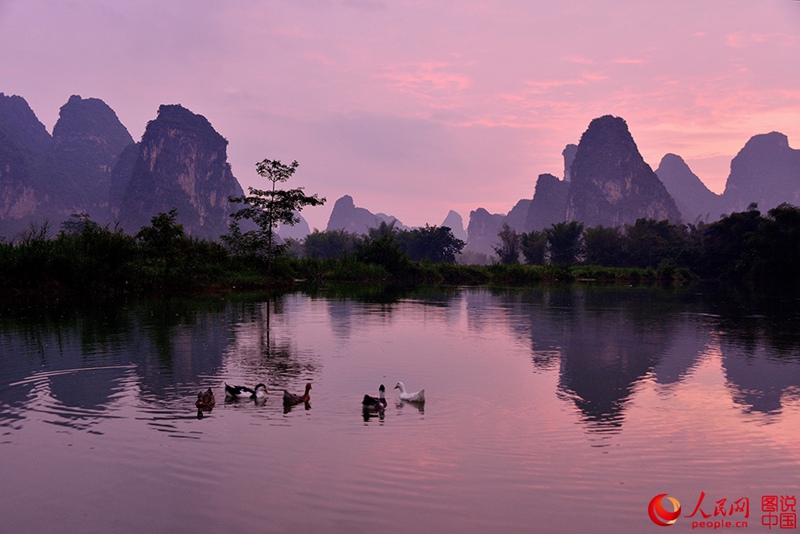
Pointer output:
x,y
649,243
564,242
603,246
509,248
267,208
163,239
534,246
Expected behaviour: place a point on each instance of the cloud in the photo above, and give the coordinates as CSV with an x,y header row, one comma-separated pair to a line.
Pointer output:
x,y
746,39
629,61
434,82
385,138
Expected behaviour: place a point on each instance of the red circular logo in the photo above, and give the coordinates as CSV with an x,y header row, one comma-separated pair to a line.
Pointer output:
x,y
660,515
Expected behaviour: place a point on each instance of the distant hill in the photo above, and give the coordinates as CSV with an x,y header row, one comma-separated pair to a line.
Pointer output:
x,y
456,225
181,163
482,231
766,172
91,165
569,156
694,200
89,138
298,231
346,216
611,185
549,203
25,146
48,178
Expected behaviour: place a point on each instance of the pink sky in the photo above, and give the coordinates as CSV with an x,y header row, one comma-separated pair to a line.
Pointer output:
x,y
418,107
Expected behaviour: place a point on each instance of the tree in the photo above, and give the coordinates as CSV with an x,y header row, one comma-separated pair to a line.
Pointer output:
x,y
509,248
780,240
163,239
534,246
432,243
268,208
329,244
380,248
564,242
651,243
603,246
731,245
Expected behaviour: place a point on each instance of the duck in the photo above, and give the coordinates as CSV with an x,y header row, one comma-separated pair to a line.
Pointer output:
x,y
291,398
375,403
242,392
418,396
205,400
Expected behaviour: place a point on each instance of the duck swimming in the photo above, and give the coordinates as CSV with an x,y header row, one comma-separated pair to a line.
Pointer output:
x,y
418,396
205,400
291,398
242,392
375,403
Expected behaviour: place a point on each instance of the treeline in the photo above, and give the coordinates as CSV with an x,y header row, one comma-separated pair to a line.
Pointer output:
x,y
86,258
742,245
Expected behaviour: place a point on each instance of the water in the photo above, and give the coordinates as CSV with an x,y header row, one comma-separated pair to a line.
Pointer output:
x,y
548,410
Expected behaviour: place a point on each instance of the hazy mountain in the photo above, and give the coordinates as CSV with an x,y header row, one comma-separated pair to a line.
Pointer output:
x,y
569,156
518,215
694,200
346,216
298,231
48,178
766,171
24,151
182,163
88,139
482,231
611,185
120,176
19,123
90,164
549,203
456,225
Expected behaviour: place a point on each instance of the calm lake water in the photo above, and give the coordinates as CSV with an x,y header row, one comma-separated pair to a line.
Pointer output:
x,y
562,410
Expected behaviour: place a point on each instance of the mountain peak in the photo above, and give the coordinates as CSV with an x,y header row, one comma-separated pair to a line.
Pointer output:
x,y
766,172
91,120
182,163
611,185
691,195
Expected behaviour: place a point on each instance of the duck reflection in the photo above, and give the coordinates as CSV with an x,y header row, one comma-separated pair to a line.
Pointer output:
x,y
289,407
419,406
372,412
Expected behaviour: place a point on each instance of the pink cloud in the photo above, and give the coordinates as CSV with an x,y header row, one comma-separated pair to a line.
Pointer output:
x,y
386,102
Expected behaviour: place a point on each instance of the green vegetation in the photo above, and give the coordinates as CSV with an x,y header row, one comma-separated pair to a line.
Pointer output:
x,y
87,259
267,209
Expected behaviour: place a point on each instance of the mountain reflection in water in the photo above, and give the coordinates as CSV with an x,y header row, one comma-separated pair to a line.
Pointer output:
x,y
510,374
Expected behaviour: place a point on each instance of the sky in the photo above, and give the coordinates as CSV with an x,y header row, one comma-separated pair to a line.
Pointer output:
x,y
415,108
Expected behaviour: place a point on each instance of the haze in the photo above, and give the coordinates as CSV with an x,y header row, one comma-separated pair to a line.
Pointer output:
x,y
415,108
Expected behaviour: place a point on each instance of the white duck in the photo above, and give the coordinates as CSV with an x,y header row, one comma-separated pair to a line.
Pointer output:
x,y
242,392
418,396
